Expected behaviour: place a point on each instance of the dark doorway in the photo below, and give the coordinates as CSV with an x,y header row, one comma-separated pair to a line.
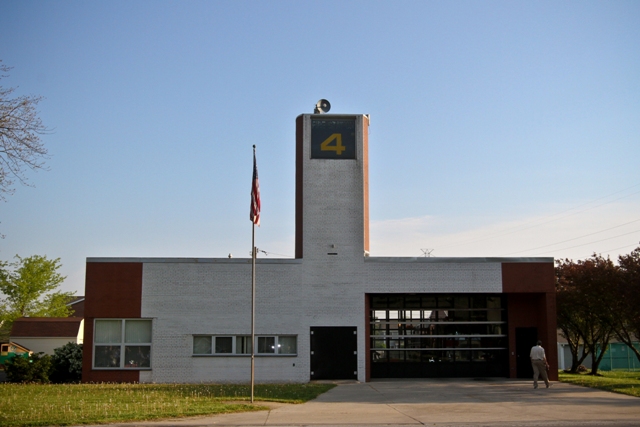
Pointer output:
x,y
525,339
334,353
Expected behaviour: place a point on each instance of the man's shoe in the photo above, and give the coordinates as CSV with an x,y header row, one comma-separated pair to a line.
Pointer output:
x,y
535,386
548,385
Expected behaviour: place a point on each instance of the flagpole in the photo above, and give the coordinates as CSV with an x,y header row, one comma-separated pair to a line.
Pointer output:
x,y
253,303
255,218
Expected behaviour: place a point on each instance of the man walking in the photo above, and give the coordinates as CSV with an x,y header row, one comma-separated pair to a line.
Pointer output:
x,y
539,364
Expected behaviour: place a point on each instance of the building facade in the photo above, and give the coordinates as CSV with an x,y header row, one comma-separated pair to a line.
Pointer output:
x,y
333,312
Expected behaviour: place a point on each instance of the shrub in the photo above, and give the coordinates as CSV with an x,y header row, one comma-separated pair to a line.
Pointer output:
x,y
32,369
67,363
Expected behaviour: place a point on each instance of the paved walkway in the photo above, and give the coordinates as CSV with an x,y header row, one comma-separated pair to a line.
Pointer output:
x,y
439,402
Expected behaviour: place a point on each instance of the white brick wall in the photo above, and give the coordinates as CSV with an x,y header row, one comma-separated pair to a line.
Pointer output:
x,y
215,298
432,275
333,208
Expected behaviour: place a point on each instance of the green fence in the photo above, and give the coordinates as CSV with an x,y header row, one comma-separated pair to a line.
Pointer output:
x,y
620,357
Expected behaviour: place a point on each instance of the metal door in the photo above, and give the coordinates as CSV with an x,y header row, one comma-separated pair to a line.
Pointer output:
x,y
334,352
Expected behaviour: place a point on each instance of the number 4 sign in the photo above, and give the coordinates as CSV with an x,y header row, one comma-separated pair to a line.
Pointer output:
x,y
333,139
337,146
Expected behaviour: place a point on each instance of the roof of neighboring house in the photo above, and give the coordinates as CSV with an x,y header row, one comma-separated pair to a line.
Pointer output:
x,y
74,299
77,305
12,347
46,327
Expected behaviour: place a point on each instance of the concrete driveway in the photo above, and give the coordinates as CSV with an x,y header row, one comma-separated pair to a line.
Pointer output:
x,y
440,402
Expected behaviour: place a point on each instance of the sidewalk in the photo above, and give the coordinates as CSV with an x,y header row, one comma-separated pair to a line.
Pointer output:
x,y
437,402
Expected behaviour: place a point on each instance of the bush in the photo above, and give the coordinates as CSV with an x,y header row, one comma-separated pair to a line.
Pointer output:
x,y
67,363
32,369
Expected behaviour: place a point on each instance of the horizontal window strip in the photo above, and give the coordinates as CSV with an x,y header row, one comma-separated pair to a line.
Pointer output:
x,y
245,355
205,345
416,337
440,349
409,310
429,323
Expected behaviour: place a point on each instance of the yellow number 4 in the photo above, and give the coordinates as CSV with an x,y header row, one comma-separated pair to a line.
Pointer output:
x,y
337,147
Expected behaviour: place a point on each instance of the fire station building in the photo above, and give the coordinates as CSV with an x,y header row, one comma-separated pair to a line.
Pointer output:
x,y
332,312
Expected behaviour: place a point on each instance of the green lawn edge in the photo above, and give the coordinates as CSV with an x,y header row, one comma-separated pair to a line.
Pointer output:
x,y
25,405
623,382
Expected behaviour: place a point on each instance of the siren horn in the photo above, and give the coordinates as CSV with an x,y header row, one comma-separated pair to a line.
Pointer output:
x,y
322,106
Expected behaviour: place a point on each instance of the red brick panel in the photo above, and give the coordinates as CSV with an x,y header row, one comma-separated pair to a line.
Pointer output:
x,y
519,277
521,314
299,182
365,178
548,333
112,290
537,311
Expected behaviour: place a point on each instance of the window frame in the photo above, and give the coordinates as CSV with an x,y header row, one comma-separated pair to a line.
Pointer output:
x,y
122,344
236,351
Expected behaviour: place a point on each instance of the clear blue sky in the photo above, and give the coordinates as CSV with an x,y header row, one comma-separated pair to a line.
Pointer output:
x,y
498,128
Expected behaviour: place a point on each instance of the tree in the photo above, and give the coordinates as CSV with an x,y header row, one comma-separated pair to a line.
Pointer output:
x,y
34,368
627,327
570,316
20,145
29,286
66,363
590,306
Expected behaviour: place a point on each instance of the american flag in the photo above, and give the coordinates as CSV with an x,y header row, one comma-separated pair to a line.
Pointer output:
x,y
254,215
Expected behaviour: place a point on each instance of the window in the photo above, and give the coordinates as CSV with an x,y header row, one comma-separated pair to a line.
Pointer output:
x,y
202,345
206,345
287,345
279,344
243,345
224,345
266,345
122,343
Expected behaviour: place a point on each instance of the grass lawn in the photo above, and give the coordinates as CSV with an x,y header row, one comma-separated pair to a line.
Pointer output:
x,y
616,381
72,404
